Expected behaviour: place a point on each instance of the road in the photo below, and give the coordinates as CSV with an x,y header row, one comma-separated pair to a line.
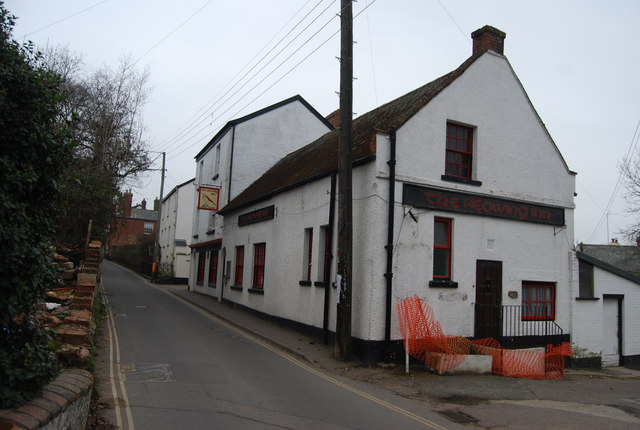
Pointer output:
x,y
173,366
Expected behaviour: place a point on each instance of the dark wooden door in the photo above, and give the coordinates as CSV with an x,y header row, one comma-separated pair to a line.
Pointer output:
x,y
488,320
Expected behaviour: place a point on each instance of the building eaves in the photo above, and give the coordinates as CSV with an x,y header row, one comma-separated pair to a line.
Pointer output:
x,y
320,158
234,122
626,258
608,267
177,187
144,214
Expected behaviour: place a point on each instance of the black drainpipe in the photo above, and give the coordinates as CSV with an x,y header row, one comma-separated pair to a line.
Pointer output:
x,y
328,258
389,247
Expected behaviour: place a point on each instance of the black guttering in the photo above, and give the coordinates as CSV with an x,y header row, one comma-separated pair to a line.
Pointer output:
x,y
255,114
608,267
390,227
176,188
233,141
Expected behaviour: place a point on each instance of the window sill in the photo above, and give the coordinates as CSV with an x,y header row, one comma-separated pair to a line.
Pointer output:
x,y
305,283
443,283
321,284
588,298
460,180
236,287
211,285
256,290
200,283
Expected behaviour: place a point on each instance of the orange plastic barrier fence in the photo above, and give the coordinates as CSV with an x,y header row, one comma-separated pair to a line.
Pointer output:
x,y
423,337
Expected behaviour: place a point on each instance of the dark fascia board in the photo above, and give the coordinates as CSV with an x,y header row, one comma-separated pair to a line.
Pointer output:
x,y
608,267
255,114
177,187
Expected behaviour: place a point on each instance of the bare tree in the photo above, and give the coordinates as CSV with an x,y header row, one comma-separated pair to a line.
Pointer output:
x,y
104,111
630,170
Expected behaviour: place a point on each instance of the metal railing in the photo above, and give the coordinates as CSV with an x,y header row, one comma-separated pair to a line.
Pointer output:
x,y
506,324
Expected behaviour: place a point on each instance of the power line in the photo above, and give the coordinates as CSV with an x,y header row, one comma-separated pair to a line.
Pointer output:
x,y
173,31
616,188
268,75
185,127
65,18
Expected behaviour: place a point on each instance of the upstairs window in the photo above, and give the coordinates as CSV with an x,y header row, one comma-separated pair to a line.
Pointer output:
x,y
148,228
459,154
442,249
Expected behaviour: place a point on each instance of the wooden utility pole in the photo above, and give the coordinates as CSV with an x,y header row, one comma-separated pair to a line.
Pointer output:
x,y
345,213
156,245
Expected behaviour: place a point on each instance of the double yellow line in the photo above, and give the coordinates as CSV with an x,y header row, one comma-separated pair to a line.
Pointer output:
x,y
115,372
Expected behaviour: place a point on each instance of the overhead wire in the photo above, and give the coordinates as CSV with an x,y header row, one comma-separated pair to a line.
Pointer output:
x,y
64,19
185,126
221,100
616,188
267,76
286,73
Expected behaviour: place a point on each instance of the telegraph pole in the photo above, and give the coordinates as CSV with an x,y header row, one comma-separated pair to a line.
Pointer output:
x,y
345,213
156,245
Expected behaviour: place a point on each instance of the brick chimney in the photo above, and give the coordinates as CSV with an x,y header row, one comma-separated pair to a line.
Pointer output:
x,y
127,198
334,118
488,38
156,204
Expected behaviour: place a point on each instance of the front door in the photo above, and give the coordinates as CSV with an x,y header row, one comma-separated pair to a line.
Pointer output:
x,y
611,330
488,320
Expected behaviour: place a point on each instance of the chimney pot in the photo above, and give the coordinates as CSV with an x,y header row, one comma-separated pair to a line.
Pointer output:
x,y
488,38
143,204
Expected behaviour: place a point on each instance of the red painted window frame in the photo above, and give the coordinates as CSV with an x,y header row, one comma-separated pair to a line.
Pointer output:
x,y
213,267
448,246
530,303
309,237
327,260
259,253
200,271
462,159
237,280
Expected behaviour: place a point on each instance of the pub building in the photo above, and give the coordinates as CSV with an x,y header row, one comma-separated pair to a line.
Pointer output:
x,y
460,196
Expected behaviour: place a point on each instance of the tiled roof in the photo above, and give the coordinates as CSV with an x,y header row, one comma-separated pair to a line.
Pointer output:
x,y
144,214
320,158
624,258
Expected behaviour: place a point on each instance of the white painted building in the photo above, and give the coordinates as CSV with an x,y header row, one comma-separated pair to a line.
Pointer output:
x,y
243,150
606,322
460,196
176,230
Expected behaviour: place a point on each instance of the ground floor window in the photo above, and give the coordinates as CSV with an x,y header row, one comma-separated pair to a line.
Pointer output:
x,y
213,268
442,249
538,300
200,272
259,251
237,280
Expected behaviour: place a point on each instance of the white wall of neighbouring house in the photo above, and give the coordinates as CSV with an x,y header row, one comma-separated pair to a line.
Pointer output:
x,y
588,315
247,150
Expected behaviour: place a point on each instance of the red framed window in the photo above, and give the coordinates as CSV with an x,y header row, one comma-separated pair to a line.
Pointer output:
x,y
259,250
200,274
538,300
213,267
442,248
308,258
237,280
327,258
459,154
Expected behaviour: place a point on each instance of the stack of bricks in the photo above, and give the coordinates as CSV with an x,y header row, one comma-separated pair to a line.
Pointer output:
x,y
76,331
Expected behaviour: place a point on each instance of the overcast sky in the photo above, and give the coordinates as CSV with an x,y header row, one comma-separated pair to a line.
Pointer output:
x,y
577,60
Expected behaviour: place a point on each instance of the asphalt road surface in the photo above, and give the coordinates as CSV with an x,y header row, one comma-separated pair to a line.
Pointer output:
x,y
170,365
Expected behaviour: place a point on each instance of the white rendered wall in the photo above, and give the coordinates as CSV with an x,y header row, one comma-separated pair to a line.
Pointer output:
x,y
588,314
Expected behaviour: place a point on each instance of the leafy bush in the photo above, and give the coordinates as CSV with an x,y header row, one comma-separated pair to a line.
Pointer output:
x,y
33,154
